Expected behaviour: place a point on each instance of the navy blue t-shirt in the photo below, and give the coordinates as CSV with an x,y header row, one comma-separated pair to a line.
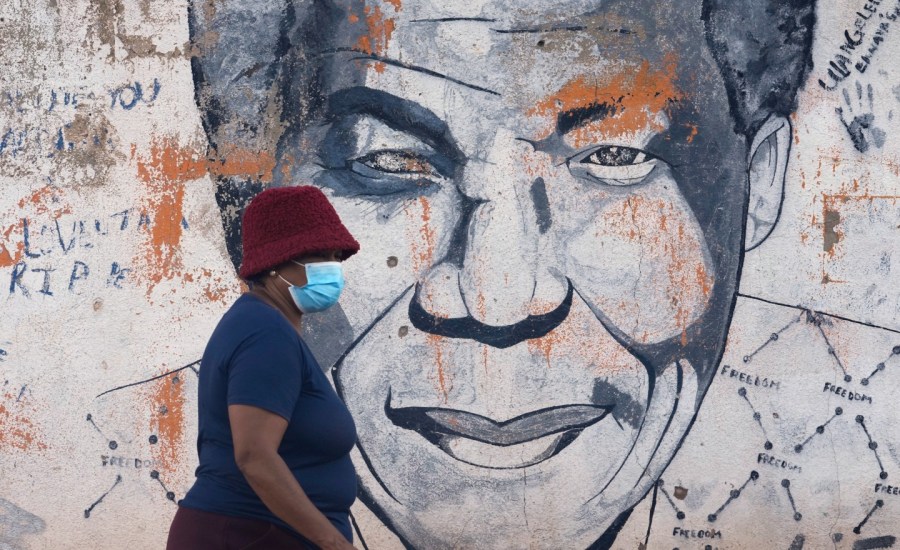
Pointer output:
x,y
255,357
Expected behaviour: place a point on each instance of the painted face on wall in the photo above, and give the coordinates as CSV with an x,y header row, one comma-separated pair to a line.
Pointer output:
x,y
551,209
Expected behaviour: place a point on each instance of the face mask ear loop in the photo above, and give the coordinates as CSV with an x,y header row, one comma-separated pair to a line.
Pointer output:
x,y
304,268
283,279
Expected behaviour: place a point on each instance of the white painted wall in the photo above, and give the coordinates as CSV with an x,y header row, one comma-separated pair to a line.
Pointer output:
x,y
88,310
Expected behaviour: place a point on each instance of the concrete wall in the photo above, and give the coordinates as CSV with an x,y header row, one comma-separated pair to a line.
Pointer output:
x,y
552,337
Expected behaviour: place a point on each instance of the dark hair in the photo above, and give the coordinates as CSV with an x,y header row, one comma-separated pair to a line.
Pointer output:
x,y
764,51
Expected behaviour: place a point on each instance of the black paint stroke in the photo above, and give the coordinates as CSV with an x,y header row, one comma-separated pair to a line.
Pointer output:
x,y
786,483
433,423
338,386
541,205
650,518
678,513
772,338
873,446
87,512
817,312
679,382
757,417
833,353
798,543
453,19
732,496
533,326
606,540
561,28
154,474
567,121
878,504
358,531
819,430
163,375
363,55
880,366
875,543
90,418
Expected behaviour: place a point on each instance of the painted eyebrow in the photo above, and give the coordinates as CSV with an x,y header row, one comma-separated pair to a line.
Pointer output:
x,y
578,117
398,113
363,55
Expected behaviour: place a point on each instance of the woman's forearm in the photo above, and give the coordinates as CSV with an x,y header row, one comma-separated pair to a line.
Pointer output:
x,y
279,490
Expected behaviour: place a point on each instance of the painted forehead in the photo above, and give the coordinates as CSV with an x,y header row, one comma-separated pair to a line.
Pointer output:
x,y
518,48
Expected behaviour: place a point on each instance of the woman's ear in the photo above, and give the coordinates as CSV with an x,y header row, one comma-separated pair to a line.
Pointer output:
x,y
768,159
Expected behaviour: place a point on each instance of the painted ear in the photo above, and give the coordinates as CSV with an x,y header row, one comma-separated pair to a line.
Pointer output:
x,y
768,164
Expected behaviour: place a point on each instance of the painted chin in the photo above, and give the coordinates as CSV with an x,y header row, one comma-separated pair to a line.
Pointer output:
x,y
466,420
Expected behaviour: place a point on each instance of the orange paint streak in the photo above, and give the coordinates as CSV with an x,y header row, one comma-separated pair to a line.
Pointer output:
x,y
686,285
17,431
378,34
46,200
164,171
443,380
40,198
423,246
215,290
636,95
544,345
693,134
10,257
167,422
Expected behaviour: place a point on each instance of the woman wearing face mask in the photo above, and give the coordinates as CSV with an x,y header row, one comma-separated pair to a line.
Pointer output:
x,y
274,438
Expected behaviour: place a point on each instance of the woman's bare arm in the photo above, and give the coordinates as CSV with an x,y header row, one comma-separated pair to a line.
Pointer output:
x,y
257,433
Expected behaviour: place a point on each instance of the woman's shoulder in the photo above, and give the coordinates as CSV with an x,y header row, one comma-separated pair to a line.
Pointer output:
x,y
249,315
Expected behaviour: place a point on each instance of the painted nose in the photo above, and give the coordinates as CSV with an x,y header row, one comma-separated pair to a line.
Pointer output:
x,y
499,285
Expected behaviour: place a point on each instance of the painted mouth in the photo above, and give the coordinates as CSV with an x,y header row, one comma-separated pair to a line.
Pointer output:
x,y
481,441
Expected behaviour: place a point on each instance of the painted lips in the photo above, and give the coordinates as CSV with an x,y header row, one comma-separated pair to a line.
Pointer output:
x,y
515,443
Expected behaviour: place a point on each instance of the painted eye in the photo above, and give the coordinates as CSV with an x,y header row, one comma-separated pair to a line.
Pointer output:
x,y
397,162
614,165
616,156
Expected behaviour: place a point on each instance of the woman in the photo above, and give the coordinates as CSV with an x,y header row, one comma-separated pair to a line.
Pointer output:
x,y
274,441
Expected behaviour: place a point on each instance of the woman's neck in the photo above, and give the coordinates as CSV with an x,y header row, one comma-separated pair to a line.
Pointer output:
x,y
276,299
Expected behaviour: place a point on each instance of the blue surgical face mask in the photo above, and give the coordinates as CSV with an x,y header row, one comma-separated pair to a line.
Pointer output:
x,y
324,282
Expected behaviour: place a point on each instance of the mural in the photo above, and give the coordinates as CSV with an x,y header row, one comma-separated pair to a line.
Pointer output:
x,y
608,143
627,276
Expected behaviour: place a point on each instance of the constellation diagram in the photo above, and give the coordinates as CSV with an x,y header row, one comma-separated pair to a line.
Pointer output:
x,y
810,336
123,452
819,322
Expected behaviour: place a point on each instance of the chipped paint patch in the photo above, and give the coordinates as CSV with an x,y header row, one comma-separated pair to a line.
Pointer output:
x,y
18,430
167,411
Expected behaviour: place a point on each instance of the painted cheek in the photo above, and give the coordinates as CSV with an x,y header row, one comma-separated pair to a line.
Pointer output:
x,y
400,242
643,262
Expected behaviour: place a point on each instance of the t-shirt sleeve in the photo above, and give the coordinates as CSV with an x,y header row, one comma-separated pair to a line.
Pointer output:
x,y
266,371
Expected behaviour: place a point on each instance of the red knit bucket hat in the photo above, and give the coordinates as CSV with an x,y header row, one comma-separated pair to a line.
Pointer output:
x,y
285,222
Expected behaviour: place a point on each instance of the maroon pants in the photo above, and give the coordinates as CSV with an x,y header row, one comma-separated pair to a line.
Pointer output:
x,y
197,530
